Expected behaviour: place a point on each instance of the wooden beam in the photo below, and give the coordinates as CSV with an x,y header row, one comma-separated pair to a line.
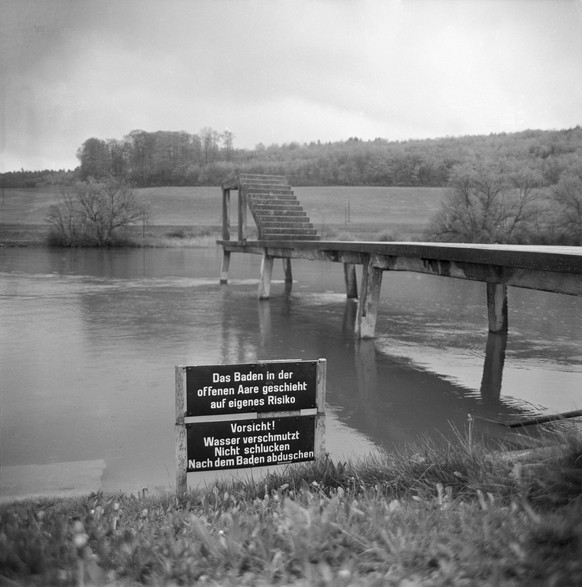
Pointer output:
x,y
319,444
265,279
226,214
181,452
369,300
287,270
542,268
351,280
497,307
225,267
493,367
242,213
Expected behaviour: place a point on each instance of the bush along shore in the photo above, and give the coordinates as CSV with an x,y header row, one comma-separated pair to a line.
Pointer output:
x,y
132,237
440,514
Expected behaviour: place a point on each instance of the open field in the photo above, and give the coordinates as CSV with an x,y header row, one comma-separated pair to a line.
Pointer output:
x,y
363,212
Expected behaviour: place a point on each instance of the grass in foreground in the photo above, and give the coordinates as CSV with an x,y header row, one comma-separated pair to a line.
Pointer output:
x,y
437,515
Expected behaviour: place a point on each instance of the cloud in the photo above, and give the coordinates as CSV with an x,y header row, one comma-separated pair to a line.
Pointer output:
x,y
281,71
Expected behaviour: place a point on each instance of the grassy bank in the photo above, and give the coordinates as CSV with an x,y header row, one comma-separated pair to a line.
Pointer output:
x,y
27,235
453,514
338,213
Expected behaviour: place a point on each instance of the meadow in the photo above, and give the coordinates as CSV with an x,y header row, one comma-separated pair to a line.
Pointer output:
x,y
371,213
452,514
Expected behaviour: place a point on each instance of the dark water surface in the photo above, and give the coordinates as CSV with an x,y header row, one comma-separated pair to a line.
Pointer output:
x,y
89,341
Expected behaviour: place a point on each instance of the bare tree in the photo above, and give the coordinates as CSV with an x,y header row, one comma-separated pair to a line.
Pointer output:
x,y
209,139
94,214
488,203
567,194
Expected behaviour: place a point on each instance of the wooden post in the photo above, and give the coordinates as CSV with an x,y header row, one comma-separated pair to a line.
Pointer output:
x,y
497,307
350,316
369,300
493,366
226,214
225,267
319,441
242,213
287,270
181,452
266,274
351,280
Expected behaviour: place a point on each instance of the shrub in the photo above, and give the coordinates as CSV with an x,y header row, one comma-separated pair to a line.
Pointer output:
x,y
94,214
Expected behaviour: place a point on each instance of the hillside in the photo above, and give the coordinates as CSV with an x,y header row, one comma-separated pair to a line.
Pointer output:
x,y
165,158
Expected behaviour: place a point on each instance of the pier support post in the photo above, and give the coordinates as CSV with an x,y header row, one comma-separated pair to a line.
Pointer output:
x,y
225,267
497,307
225,214
242,213
287,270
266,274
493,367
351,280
369,300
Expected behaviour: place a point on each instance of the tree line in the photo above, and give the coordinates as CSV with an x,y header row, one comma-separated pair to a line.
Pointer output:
x,y
146,159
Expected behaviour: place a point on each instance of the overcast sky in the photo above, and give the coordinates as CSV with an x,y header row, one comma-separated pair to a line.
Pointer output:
x,y
276,71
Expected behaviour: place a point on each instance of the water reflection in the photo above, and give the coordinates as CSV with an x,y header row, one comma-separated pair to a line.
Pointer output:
x,y
493,367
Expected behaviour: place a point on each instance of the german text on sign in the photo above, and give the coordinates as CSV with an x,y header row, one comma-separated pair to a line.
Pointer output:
x,y
259,387
250,443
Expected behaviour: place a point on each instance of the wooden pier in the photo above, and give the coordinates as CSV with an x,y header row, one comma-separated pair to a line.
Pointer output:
x,y
284,232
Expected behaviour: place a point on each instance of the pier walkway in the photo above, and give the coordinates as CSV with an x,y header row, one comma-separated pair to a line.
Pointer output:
x,y
284,232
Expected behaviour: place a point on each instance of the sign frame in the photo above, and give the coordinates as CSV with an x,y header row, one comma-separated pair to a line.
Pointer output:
x,y
186,419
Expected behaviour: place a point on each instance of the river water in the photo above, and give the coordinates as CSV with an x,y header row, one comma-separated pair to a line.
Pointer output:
x,y
89,340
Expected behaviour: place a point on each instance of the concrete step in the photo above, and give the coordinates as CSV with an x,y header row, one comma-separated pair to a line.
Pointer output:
x,y
269,213
288,231
277,206
262,178
295,237
257,192
265,181
286,221
259,195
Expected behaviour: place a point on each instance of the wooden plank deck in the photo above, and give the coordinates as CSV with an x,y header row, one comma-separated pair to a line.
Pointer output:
x,y
547,268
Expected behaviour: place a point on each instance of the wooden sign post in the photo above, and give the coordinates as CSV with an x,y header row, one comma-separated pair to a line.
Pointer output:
x,y
248,415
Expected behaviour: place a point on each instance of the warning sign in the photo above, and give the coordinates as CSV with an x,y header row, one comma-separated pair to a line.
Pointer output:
x,y
255,387
250,443
248,415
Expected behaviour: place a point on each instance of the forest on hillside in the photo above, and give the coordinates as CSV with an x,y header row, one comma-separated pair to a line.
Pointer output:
x,y
146,159
521,187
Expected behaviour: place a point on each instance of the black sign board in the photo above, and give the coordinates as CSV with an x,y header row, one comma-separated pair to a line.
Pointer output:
x,y
250,443
256,387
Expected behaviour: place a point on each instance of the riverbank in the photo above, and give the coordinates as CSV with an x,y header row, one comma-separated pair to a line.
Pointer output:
x,y
450,514
36,235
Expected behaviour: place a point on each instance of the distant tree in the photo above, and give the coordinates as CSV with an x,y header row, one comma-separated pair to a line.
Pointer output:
x,y
487,203
94,158
227,138
209,139
93,214
567,194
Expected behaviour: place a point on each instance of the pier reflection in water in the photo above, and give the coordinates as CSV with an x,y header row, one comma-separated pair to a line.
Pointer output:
x,y
89,342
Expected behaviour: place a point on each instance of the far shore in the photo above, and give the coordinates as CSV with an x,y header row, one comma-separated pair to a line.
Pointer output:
x,y
35,235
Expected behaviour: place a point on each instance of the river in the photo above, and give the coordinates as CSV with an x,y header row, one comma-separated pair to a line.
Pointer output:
x,y
89,340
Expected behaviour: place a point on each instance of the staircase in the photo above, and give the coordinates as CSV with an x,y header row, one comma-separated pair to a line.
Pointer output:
x,y
277,212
